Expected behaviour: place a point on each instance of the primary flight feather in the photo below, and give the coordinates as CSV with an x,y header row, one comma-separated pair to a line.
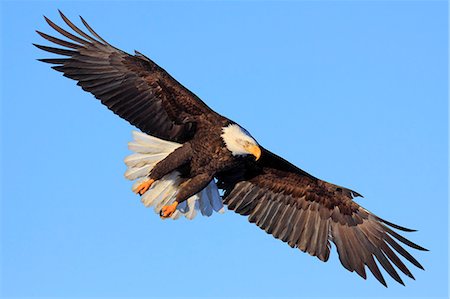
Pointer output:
x,y
185,148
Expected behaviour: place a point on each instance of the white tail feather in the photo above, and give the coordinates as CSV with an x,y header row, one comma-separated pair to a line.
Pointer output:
x,y
149,151
182,207
205,204
154,142
138,160
214,198
138,172
192,203
155,194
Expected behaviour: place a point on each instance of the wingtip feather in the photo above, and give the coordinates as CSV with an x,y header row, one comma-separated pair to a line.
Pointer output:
x,y
61,14
396,226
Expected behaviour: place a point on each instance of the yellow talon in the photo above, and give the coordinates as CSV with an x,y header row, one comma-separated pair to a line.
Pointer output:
x,y
167,211
144,186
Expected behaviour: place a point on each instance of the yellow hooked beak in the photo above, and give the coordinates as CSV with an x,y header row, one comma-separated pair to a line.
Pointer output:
x,y
254,150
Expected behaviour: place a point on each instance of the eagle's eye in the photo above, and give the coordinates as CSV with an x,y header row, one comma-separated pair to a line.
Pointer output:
x,y
244,143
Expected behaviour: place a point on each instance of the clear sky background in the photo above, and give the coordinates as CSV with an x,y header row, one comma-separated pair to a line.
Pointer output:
x,y
354,92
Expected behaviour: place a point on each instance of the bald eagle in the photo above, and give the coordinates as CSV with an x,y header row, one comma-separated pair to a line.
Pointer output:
x,y
186,152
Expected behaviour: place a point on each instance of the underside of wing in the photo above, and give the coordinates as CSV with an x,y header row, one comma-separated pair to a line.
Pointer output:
x,y
133,87
310,214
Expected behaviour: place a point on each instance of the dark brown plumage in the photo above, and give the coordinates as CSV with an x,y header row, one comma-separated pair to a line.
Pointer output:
x,y
280,198
308,213
123,82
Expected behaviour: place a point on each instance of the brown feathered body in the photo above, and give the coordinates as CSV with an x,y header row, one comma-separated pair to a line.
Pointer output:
x,y
280,198
209,153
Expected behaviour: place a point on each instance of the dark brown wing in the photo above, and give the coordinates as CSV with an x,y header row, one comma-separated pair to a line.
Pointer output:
x,y
308,213
133,87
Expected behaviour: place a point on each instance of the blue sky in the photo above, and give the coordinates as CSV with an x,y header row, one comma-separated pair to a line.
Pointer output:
x,y
354,92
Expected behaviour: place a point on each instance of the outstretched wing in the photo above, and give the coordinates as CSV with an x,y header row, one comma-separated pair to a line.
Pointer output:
x,y
308,213
133,87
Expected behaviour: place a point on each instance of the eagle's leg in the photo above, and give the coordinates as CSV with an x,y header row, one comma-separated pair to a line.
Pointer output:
x,y
174,160
189,188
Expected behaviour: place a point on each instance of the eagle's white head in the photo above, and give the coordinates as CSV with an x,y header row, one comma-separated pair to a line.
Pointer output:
x,y
239,142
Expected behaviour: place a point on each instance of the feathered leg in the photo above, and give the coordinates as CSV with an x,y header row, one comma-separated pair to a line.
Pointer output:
x,y
177,158
189,188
